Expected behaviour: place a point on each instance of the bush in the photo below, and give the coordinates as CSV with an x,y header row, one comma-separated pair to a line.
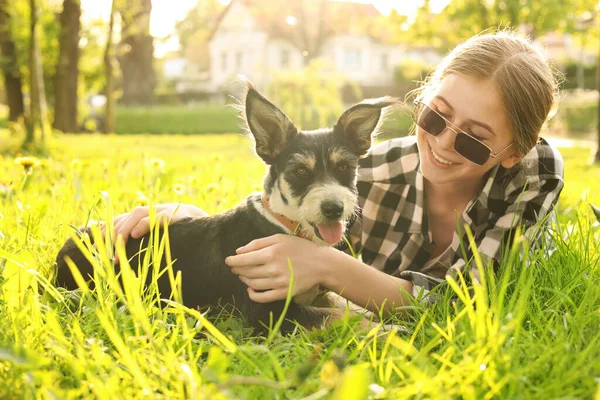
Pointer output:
x,y
397,124
411,71
176,119
312,97
589,76
577,114
580,117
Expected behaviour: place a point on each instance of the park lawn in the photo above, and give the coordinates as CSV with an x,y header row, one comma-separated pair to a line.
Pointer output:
x,y
532,332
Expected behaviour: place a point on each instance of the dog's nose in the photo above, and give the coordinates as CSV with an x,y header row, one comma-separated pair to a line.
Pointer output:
x,y
332,209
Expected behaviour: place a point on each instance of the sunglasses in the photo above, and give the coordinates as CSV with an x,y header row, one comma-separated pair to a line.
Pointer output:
x,y
466,145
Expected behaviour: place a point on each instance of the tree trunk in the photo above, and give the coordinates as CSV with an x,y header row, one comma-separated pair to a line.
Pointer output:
x,y
38,97
67,70
109,62
9,65
136,53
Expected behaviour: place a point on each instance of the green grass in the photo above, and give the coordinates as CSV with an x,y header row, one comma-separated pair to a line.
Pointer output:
x,y
531,332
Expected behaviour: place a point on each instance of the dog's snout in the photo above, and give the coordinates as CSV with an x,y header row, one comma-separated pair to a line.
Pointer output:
x,y
332,209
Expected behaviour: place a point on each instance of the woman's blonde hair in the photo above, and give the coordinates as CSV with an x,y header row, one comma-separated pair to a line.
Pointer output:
x,y
527,84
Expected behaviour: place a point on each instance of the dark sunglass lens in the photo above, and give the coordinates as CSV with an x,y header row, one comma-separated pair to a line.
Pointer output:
x,y
431,122
471,149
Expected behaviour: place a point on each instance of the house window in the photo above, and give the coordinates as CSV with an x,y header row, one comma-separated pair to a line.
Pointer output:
x,y
352,58
238,60
224,61
285,58
385,62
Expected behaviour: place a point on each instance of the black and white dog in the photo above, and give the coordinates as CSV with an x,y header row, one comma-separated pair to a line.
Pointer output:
x,y
309,190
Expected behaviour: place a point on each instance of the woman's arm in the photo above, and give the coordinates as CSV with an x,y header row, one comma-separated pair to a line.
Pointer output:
x,y
137,222
263,266
364,285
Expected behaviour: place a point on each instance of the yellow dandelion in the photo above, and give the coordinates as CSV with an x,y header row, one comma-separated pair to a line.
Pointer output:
x,y
329,374
157,163
194,181
27,162
179,189
212,187
76,164
217,157
141,200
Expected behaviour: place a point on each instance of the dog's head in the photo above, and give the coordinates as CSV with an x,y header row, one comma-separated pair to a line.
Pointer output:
x,y
312,174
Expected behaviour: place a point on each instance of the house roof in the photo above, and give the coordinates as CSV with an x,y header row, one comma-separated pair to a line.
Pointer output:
x,y
335,17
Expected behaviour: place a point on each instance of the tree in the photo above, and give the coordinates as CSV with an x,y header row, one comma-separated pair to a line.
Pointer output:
x,y
194,31
200,20
109,67
9,64
38,117
461,19
310,31
308,24
67,71
136,52
49,31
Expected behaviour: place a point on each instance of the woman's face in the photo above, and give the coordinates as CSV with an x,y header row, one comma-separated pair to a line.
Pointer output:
x,y
473,106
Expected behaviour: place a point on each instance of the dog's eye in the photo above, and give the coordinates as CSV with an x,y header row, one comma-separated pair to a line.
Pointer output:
x,y
301,171
342,168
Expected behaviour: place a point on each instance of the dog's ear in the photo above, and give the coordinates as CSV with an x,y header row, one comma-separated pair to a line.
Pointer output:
x,y
359,123
269,125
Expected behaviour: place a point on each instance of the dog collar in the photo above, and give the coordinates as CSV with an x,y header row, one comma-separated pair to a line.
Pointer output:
x,y
292,225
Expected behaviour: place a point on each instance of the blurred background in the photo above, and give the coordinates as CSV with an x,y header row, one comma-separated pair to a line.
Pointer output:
x,y
166,66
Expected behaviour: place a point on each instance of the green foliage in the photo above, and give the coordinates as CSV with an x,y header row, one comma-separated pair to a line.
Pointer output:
x,y
461,19
49,45
311,97
412,71
91,63
530,332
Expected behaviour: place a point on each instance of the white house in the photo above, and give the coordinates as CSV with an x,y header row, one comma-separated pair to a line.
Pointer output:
x,y
256,42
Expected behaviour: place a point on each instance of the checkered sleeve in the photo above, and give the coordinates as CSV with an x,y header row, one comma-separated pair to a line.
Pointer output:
x,y
379,197
528,205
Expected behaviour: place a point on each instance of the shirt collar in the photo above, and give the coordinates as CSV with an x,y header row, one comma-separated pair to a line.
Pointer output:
x,y
418,214
415,195
484,195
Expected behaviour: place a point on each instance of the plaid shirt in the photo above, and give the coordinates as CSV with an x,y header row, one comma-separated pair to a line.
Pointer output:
x,y
392,231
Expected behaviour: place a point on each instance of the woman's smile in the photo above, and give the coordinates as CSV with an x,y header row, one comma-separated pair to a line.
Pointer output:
x,y
437,160
440,158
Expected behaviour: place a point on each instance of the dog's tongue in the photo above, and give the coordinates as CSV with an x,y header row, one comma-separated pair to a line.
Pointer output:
x,y
331,233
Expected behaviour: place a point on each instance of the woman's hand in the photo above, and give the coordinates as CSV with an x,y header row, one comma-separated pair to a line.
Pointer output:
x,y
137,222
262,264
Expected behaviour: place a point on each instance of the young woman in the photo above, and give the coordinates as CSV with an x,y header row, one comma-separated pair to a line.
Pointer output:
x,y
476,160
